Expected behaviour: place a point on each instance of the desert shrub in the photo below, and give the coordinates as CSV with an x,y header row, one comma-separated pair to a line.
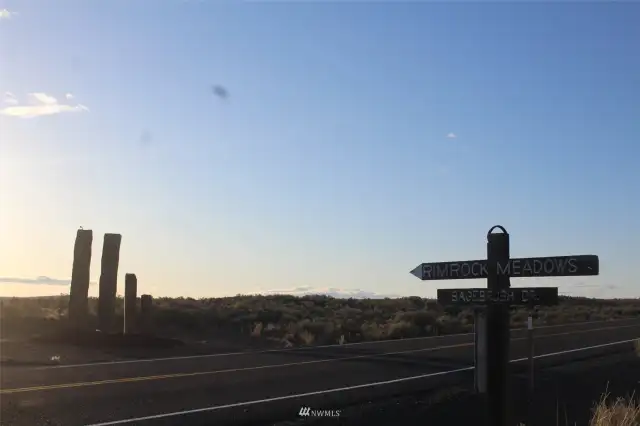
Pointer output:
x,y
403,329
306,337
324,318
420,318
315,327
372,331
176,318
269,315
450,325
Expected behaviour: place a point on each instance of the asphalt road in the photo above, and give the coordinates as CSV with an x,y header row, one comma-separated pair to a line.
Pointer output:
x,y
261,387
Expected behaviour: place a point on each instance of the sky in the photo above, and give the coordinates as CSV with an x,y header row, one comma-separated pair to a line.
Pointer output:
x,y
323,147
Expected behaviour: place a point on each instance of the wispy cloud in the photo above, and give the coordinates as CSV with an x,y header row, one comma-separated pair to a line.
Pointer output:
x,y
40,104
581,284
341,293
42,280
451,135
7,14
9,98
44,98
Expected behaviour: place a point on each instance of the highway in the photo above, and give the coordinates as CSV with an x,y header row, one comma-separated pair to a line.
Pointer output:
x,y
261,386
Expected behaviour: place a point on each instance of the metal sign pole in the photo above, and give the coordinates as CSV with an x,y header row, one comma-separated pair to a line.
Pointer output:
x,y
497,330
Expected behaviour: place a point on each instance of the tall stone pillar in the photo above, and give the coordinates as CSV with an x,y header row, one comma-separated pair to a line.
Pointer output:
x,y
108,281
130,294
80,275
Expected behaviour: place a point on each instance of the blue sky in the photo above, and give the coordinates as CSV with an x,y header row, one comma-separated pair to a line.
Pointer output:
x,y
358,140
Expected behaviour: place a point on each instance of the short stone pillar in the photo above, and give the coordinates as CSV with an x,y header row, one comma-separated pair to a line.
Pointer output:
x,y
130,300
146,308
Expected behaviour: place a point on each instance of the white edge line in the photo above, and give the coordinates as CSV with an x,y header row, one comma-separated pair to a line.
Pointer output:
x,y
342,389
281,398
258,367
376,342
569,351
324,360
302,348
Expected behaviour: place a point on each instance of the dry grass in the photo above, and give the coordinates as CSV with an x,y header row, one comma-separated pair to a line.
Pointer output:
x,y
621,412
257,330
307,337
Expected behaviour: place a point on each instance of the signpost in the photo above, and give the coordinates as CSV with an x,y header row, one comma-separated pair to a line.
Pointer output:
x,y
493,334
557,266
511,296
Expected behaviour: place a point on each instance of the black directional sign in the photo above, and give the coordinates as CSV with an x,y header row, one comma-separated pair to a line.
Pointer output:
x,y
494,300
510,296
557,266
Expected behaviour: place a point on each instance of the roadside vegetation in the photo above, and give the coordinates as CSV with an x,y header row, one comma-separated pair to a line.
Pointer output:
x,y
620,412
316,319
614,412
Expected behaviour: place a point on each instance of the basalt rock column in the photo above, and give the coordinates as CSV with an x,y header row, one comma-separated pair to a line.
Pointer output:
x,y
146,306
79,292
130,293
108,281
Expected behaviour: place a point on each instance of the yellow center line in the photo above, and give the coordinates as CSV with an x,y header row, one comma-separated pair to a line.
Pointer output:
x,y
263,367
203,373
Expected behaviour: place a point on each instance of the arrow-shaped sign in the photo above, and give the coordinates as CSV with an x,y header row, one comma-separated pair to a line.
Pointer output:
x,y
558,266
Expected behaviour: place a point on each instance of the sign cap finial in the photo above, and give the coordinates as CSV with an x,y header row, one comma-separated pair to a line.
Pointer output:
x,y
500,227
